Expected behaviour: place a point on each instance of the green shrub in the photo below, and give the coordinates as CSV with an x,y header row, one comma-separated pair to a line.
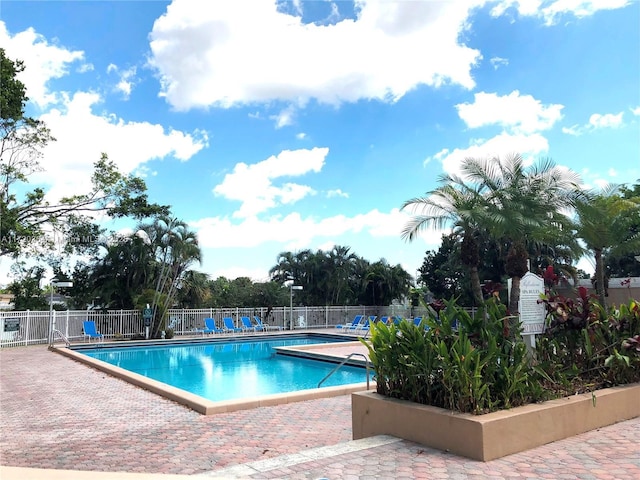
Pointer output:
x,y
454,361
587,347
476,364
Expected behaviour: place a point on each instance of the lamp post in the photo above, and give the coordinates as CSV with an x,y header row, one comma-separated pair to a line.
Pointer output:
x,y
52,319
292,287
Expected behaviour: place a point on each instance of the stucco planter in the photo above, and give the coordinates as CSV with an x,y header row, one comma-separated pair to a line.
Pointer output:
x,y
494,435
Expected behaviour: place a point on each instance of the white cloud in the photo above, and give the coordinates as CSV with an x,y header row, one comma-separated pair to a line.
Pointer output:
x,y
500,146
612,172
298,232
574,130
127,79
301,136
636,111
42,60
608,120
285,117
498,62
82,136
596,121
337,193
386,51
519,113
553,10
253,184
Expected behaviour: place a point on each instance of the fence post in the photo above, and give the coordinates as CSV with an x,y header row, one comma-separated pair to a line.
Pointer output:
x,y
66,326
26,331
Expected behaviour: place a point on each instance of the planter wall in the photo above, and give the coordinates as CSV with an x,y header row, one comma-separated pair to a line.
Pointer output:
x,y
494,435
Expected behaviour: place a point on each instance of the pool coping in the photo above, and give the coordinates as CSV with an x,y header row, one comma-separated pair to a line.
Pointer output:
x,y
210,407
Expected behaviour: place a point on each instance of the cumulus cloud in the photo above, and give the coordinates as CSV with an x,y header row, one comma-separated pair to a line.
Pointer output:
x,y
554,10
608,120
43,62
636,111
299,232
82,136
596,121
220,56
518,113
285,117
126,80
254,185
521,119
498,146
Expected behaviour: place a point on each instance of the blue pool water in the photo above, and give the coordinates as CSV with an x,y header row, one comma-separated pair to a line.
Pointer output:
x,y
230,371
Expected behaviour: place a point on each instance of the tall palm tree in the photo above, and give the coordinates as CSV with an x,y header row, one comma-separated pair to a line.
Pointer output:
x,y
600,223
176,248
458,205
523,204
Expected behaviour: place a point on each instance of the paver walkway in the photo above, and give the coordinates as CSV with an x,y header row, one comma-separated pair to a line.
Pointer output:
x,y
58,414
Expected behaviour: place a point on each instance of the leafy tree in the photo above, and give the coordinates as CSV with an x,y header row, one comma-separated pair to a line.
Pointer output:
x,y
625,263
25,214
194,290
26,289
603,224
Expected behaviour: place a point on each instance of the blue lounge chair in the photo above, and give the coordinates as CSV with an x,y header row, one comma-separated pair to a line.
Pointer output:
x,y
229,326
352,325
416,321
364,326
247,326
210,326
264,326
89,330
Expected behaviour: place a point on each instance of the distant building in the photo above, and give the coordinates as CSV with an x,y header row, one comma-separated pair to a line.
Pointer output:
x,y
6,301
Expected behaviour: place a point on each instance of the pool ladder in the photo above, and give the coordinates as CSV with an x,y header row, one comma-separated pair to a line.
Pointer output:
x,y
347,358
62,336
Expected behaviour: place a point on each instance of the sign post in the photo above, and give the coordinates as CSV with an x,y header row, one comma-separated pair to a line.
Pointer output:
x,y
532,312
147,315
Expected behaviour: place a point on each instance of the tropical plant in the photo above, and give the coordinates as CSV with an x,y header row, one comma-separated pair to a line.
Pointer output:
x,y
453,360
602,223
456,205
523,204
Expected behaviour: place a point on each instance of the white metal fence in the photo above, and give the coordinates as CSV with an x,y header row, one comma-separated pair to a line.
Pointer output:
x,y
33,327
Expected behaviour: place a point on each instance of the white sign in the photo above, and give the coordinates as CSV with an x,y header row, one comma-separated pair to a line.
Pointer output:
x,y
532,313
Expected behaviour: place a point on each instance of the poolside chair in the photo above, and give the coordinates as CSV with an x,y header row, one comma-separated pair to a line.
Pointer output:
x,y
229,326
264,326
364,326
416,321
358,326
247,325
352,325
210,326
89,330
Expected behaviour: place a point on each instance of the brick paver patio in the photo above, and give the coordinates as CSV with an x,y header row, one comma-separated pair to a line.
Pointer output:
x,y
58,414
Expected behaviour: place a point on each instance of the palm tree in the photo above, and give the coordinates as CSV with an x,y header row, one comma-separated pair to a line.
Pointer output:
x,y
600,223
522,204
176,248
460,206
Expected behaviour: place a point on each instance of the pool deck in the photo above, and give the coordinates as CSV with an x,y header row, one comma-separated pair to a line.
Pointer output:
x,y
60,419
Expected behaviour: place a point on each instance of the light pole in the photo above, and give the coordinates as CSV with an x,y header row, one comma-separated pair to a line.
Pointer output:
x,y
292,287
52,320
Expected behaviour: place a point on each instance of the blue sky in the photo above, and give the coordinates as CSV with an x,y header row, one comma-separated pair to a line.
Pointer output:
x,y
280,126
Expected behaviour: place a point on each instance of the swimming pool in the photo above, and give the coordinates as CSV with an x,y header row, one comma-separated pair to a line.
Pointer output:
x,y
230,370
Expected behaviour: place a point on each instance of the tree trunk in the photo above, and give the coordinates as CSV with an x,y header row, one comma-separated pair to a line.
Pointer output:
x,y
514,296
476,288
600,286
